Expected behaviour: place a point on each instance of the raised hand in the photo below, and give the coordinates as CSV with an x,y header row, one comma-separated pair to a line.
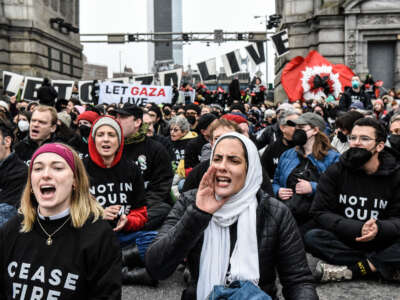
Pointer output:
x,y
205,198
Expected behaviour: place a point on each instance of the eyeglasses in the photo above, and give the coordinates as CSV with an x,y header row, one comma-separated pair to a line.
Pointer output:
x,y
174,129
363,139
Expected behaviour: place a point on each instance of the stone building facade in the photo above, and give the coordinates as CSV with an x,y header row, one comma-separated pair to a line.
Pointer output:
x,y
363,34
32,42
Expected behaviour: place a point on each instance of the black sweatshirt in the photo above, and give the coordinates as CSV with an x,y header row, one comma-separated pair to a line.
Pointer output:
x,y
122,185
154,162
345,199
13,176
82,263
193,151
271,155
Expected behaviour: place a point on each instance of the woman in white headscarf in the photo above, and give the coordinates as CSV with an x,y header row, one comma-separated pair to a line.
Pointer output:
x,y
229,229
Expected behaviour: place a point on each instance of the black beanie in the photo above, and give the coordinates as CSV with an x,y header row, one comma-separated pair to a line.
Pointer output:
x,y
205,120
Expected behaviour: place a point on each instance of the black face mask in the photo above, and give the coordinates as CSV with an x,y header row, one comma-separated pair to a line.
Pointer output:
x,y
299,137
253,120
84,130
357,157
191,119
395,141
342,137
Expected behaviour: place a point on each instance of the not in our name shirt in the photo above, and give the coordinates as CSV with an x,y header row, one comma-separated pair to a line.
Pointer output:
x,y
120,185
83,263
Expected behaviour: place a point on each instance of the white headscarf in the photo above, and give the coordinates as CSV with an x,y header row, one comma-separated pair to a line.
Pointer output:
x,y
241,207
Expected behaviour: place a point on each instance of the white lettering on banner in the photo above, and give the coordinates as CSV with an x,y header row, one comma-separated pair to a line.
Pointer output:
x,y
31,275
111,92
275,161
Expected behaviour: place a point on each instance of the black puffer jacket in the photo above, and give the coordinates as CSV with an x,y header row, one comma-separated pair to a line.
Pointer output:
x,y
279,243
268,135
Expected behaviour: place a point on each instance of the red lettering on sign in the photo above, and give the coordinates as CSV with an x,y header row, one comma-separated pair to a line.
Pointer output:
x,y
161,93
143,92
152,93
134,91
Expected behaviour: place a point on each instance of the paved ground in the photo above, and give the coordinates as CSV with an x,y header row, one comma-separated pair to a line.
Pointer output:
x,y
171,289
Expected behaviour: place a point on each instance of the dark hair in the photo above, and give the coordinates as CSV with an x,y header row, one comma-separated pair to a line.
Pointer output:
x,y
25,113
193,107
6,130
155,108
75,101
380,131
346,120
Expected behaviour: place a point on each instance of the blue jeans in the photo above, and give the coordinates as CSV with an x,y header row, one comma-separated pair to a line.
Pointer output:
x,y
238,290
6,212
142,239
327,246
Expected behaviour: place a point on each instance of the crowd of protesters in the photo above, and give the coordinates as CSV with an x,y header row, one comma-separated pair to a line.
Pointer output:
x,y
230,188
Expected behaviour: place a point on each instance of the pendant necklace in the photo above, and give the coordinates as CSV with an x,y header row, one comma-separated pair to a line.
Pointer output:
x,y
49,240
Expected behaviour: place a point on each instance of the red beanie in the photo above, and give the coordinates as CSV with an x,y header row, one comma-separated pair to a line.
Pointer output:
x,y
90,116
235,118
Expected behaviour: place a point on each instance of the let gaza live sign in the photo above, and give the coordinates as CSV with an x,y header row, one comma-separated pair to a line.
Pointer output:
x,y
134,93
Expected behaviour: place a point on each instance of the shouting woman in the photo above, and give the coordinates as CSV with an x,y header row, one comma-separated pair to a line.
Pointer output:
x,y
118,186
230,230
59,246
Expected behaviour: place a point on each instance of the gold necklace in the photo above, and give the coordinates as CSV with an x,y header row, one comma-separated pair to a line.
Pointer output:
x,y
49,240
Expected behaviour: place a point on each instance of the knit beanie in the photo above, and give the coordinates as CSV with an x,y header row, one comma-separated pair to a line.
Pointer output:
x,y
5,105
110,121
79,108
90,116
205,120
235,118
65,118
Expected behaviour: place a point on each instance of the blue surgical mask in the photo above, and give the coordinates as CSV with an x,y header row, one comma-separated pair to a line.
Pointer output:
x,y
355,84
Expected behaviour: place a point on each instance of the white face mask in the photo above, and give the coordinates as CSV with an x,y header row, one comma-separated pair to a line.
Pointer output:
x,y
23,125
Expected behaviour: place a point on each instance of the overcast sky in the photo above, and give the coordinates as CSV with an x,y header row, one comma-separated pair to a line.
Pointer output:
x,y
116,16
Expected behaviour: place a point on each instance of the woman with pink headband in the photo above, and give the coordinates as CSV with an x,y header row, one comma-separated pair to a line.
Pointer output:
x,y
59,246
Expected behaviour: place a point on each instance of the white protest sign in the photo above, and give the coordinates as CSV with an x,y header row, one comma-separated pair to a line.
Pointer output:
x,y
171,77
186,97
85,88
12,82
134,93
63,88
31,86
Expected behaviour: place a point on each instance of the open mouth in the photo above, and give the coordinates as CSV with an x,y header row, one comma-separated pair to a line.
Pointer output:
x,y
223,181
106,147
47,190
35,131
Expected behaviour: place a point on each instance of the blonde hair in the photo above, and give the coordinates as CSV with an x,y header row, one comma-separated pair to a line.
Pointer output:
x,y
83,204
50,109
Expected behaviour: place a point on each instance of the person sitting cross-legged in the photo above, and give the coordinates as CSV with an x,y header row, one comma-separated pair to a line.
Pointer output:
x,y
357,206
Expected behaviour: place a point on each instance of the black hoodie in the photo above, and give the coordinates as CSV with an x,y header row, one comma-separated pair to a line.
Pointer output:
x,y
345,199
25,148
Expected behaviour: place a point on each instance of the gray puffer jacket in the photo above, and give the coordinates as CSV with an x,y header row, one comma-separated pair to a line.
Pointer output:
x,y
279,245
